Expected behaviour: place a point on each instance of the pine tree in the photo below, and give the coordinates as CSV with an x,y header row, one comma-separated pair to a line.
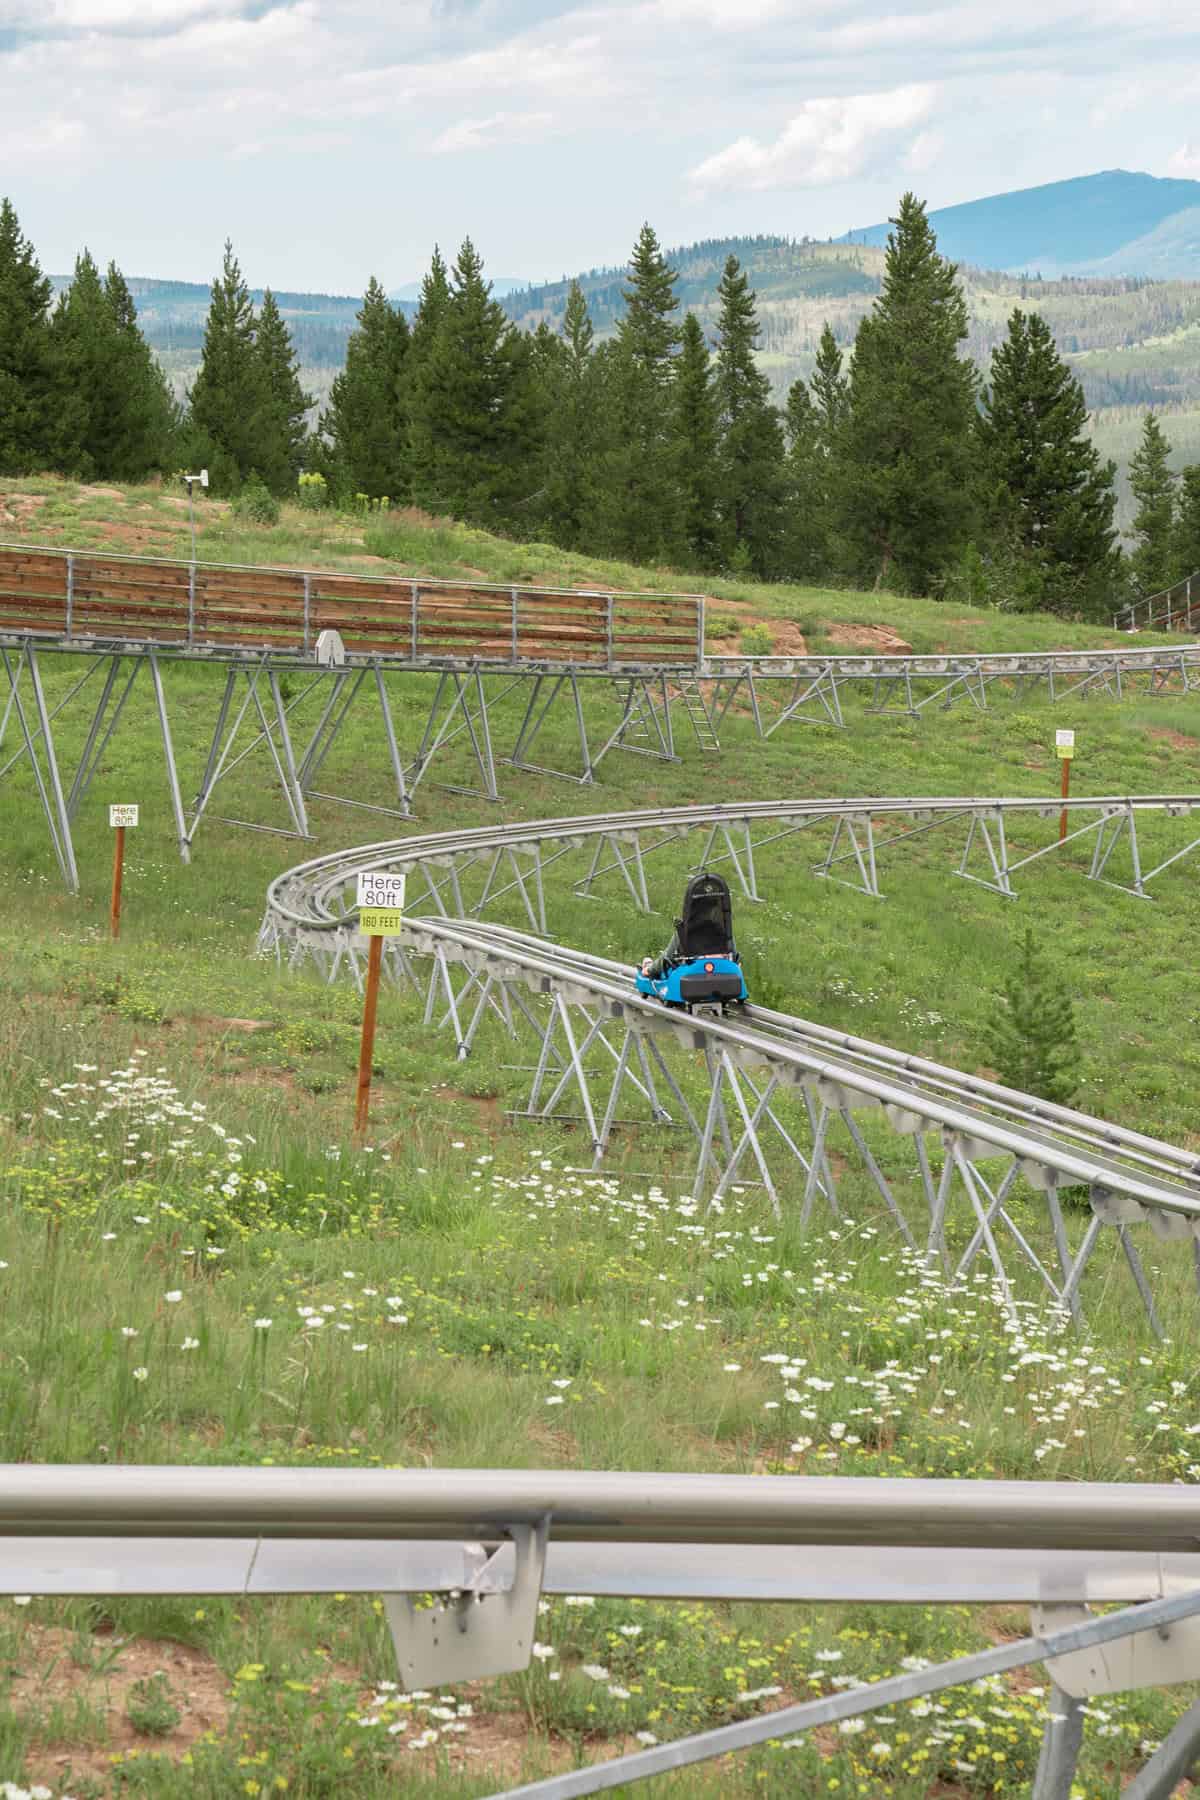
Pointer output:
x,y
115,416
750,454
28,386
282,431
81,341
575,428
480,397
1185,544
904,491
696,442
366,425
144,421
806,548
642,502
431,312
1050,495
1153,483
830,391
1032,1043
229,395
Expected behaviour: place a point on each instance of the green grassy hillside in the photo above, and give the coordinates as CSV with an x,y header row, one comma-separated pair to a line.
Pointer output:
x,y
184,1206
153,521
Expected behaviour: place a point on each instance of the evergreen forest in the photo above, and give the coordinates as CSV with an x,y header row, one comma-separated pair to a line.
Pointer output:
x,y
896,464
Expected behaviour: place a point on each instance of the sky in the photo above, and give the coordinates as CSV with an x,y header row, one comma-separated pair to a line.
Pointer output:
x,y
335,139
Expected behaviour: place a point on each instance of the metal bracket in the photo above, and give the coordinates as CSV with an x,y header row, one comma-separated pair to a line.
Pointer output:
x,y
1143,1659
484,1628
330,651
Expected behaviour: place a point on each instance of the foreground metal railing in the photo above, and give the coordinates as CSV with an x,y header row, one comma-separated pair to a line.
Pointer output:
x,y
489,1543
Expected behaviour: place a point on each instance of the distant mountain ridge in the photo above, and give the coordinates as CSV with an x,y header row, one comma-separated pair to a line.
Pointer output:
x,y
1121,295
1118,222
172,315
501,285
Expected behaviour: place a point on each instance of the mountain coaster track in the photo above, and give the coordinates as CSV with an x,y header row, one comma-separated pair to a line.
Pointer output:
x,y
766,1091
297,654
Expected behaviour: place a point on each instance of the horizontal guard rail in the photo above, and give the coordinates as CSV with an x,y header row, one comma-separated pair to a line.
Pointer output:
x,y
68,1499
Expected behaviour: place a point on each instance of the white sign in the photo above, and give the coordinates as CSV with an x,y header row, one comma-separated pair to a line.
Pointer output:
x,y
122,815
376,889
1064,743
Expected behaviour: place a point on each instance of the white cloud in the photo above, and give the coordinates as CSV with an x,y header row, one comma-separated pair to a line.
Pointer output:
x,y
150,91
1116,102
142,16
1185,160
502,128
576,65
924,151
45,138
722,15
827,141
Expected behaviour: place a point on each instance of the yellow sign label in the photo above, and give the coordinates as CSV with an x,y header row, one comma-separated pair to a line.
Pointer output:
x,y
380,921
1065,751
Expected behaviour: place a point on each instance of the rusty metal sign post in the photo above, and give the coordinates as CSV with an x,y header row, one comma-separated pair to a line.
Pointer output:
x,y
1064,749
121,819
380,915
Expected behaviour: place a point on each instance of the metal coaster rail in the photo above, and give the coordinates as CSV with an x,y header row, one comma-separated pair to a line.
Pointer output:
x,y
763,1095
488,1544
300,657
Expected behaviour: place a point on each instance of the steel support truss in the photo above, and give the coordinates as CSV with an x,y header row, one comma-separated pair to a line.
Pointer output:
x,y
812,689
970,1176
852,839
292,712
760,1116
1056,1646
105,686
265,710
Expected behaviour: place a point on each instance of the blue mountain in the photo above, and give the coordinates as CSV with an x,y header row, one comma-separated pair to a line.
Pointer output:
x,y
1115,223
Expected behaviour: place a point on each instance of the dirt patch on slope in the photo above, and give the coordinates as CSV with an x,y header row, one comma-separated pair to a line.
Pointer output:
x,y
19,509
52,1674
131,539
489,1114
1178,740
207,505
90,491
878,640
787,639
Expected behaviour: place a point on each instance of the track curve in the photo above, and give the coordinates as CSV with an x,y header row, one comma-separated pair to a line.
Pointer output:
x,y
754,1065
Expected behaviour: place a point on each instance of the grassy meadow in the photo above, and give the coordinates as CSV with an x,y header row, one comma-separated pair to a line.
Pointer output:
x,y
197,1264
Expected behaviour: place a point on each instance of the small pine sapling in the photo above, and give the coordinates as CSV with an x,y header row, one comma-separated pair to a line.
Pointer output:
x,y
256,503
1033,1043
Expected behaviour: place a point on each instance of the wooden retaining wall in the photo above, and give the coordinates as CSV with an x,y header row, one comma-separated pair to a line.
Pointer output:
x,y
89,595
